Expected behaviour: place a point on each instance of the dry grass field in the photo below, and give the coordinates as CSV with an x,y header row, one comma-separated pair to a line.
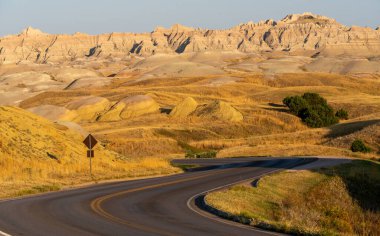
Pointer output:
x,y
37,155
339,200
266,121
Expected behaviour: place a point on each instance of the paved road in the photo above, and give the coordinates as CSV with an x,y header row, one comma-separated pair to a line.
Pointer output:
x,y
156,206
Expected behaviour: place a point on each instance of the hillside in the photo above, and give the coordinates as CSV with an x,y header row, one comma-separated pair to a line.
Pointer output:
x,y
266,127
28,136
39,155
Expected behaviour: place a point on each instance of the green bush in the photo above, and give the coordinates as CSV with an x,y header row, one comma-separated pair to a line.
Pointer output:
x,y
311,118
312,109
314,99
296,104
359,146
342,114
206,154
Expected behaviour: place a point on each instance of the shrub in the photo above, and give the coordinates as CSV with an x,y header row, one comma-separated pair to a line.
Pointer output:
x,y
311,118
342,114
312,109
359,146
314,99
206,154
190,154
296,104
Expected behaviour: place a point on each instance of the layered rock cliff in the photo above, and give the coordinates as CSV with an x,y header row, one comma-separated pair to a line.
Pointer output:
x,y
297,34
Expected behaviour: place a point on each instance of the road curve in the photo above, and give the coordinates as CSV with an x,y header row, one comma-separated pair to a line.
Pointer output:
x,y
156,206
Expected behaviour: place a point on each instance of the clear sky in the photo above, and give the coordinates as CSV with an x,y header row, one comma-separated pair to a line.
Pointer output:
x,y
102,16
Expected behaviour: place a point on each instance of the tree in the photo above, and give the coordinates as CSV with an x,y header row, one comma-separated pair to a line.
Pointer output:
x,y
296,104
312,119
312,109
314,99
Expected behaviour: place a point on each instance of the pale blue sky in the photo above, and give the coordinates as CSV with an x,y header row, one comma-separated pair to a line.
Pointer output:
x,y
102,16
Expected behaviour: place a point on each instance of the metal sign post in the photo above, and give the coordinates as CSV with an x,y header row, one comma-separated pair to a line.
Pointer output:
x,y
90,142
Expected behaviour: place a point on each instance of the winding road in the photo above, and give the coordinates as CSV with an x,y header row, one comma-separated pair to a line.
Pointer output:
x,y
155,206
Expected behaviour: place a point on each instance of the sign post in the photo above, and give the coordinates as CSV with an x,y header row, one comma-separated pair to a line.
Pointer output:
x,y
90,142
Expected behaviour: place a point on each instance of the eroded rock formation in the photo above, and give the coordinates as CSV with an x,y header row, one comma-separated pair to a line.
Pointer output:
x,y
296,34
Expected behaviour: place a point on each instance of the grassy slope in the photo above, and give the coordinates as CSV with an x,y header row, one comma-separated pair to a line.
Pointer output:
x,y
339,200
267,128
26,167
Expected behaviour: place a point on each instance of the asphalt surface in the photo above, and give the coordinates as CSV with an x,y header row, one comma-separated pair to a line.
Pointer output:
x,y
156,206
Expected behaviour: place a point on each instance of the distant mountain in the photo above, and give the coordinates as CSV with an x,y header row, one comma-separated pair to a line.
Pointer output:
x,y
304,34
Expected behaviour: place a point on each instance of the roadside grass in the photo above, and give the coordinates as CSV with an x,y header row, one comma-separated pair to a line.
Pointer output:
x,y
38,189
186,167
22,177
341,200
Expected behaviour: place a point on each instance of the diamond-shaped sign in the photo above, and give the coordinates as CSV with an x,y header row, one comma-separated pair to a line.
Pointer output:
x,y
90,141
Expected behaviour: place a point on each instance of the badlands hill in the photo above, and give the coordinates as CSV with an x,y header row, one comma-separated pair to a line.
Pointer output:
x,y
296,34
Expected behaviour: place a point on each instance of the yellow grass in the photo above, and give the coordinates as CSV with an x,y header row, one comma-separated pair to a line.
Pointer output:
x,y
21,176
323,202
36,152
266,128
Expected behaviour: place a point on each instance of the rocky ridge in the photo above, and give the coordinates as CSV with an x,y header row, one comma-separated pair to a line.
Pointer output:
x,y
296,34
